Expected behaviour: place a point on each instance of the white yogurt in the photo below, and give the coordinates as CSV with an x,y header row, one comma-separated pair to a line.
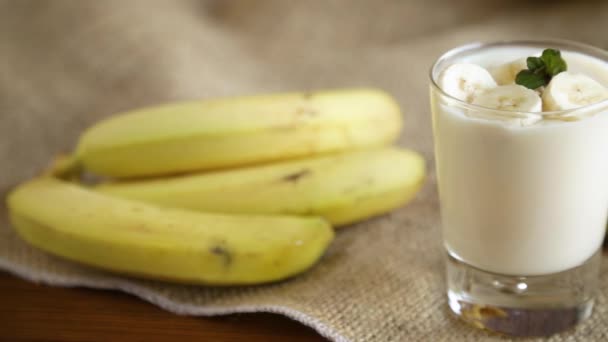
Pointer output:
x,y
522,200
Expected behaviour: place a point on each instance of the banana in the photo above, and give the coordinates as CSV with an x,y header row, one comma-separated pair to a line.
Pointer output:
x,y
465,81
343,188
172,244
230,132
570,90
511,98
505,73
65,167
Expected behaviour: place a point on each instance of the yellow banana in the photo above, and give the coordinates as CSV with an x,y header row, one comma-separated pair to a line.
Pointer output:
x,y
180,245
231,132
343,188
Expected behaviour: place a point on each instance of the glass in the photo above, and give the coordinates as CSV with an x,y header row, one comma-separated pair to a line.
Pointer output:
x,y
524,199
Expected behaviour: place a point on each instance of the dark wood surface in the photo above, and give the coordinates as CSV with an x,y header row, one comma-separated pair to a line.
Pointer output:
x,y
31,312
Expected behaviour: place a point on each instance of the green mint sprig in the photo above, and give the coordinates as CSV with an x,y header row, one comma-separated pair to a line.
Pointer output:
x,y
541,69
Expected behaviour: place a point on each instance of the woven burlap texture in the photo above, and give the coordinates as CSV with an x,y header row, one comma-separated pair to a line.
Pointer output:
x,y
66,64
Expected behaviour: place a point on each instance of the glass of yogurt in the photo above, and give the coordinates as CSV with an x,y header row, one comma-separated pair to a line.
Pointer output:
x,y
522,169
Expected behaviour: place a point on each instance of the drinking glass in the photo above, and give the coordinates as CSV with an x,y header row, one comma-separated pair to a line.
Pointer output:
x,y
524,199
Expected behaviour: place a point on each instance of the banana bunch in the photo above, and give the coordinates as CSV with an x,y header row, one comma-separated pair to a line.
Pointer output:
x,y
225,192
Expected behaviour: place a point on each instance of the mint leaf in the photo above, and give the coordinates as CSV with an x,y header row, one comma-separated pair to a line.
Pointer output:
x,y
531,80
553,61
541,69
535,63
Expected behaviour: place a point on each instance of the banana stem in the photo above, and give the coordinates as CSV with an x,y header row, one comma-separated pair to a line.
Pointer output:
x,y
66,167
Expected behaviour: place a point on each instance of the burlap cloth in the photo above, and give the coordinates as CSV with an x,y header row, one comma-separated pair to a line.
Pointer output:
x,y
66,64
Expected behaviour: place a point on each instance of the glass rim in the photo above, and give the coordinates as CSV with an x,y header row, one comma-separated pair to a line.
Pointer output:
x,y
569,45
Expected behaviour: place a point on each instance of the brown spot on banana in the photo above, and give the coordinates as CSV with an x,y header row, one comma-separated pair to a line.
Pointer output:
x,y
307,95
223,253
142,228
296,176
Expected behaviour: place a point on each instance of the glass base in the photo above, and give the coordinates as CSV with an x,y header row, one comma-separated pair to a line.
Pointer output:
x,y
522,306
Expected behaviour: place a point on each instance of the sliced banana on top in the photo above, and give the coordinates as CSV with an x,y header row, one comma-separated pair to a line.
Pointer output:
x,y
570,90
505,73
511,97
465,81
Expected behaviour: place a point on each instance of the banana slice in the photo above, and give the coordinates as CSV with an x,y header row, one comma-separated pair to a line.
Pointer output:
x,y
510,98
465,81
569,90
505,73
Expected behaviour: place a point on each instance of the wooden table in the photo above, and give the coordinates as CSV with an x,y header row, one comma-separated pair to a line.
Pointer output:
x,y
30,312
